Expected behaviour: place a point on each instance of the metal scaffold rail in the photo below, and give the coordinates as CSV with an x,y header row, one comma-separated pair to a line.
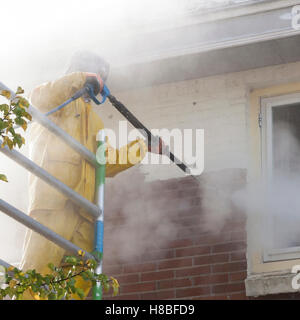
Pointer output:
x,y
4,264
41,229
52,127
47,177
96,210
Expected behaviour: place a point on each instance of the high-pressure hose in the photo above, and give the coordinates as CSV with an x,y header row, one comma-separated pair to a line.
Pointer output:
x,y
147,134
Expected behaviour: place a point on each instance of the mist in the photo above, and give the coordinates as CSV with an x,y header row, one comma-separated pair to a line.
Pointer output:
x,y
272,204
38,38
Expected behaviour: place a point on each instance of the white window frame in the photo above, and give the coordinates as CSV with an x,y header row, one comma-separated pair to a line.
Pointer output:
x,y
291,253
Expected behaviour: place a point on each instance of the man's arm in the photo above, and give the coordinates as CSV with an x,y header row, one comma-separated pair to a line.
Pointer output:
x,y
126,157
51,94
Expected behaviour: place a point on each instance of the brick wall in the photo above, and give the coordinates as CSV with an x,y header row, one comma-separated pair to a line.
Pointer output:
x,y
193,260
187,263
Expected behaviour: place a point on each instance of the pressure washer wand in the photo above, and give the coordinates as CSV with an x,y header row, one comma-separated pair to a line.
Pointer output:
x,y
105,93
147,134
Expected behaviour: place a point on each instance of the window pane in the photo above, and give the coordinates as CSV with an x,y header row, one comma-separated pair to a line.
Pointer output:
x,y
285,175
286,138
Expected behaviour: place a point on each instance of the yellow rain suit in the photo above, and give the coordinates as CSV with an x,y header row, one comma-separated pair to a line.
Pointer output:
x,y
48,205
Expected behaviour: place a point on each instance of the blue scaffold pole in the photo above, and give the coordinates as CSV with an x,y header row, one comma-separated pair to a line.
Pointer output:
x,y
99,199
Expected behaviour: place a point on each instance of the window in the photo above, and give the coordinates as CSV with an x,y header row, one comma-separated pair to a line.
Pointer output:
x,y
280,134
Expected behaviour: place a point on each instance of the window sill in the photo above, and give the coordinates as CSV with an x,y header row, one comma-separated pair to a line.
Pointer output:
x,y
269,283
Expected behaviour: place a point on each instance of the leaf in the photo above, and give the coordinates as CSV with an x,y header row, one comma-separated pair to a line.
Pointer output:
x,y
115,285
24,126
27,115
37,297
19,121
23,103
3,177
85,276
52,296
3,124
97,254
12,283
20,90
81,253
5,93
90,274
51,266
72,260
19,112
105,287
4,108
18,140
80,292
7,141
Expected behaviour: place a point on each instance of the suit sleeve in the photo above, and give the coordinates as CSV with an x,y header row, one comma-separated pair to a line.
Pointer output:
x,y
52,94
126,157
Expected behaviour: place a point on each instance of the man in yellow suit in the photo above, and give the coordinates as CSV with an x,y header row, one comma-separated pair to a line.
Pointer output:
x,y
47,205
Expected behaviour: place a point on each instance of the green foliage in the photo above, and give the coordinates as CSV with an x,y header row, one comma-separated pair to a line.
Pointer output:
x,y
60,284
13,114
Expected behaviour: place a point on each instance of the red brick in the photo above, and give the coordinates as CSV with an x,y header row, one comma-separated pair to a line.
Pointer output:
x,y
196,271
191,292
169,184
238,296
124,297
177,263
191,192
190,211
229,267
158,255
142,267
212,239
157,275
211,279
235,225
211,259
222,297
238,235
159,295
129,278
188,231
238,276
111,260
227,288
112,270
188,221
192,251
188,182
178,243
174,283
228,247
235,256
139,287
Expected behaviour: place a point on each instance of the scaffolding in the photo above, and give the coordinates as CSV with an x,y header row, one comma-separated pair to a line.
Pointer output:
x,y
94,209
